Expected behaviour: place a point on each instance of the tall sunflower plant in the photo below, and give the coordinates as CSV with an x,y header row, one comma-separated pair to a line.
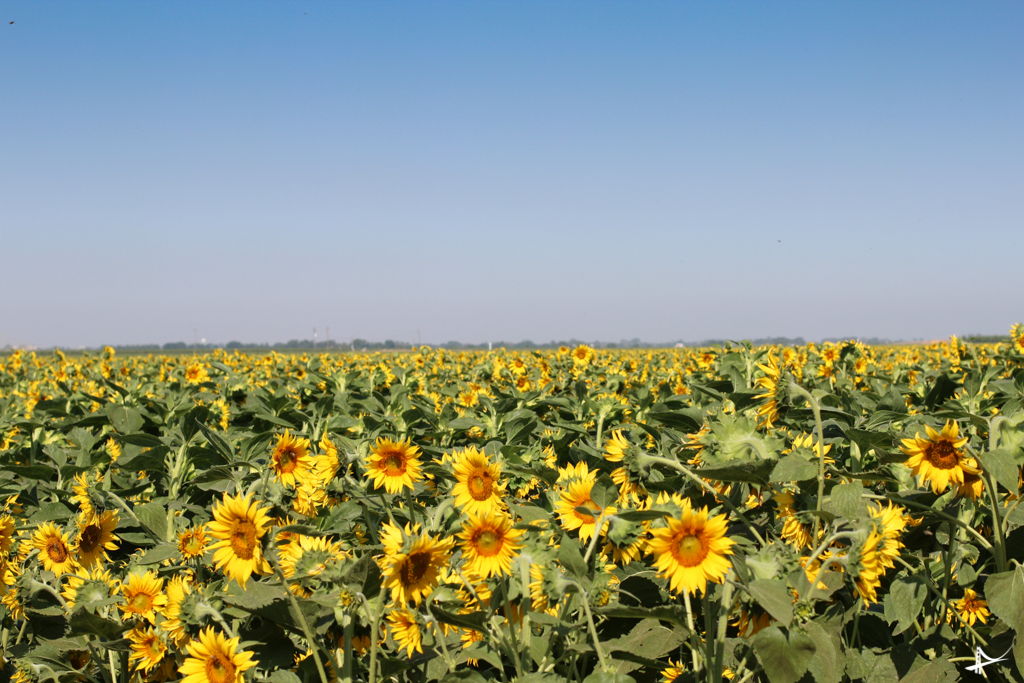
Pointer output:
x,y
830,512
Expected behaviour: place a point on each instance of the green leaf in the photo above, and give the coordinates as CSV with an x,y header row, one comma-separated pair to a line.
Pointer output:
x,y
282,676
846,501
747,472
464,676
648,640
604,491
571,558
605,677
164,551
774,597
904,601
867,666
642,515
1000,464
794,467
474,621
125,420
784,659
254,596
83,623
675,614
1004,593
154,517
35,472
938,671
828,663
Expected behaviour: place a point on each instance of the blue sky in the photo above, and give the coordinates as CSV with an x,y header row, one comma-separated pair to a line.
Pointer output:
x,y
509,170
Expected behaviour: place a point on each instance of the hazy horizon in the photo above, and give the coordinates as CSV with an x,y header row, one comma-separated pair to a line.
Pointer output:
x,y
508,171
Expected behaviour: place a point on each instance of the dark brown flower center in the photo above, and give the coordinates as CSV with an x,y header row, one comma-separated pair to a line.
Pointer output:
x,y
414,568
89,539
243,540
690,550
942,455
219,668
480,485
394,464
56,550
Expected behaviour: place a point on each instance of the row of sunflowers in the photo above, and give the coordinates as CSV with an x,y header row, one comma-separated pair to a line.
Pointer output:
x,y
825,513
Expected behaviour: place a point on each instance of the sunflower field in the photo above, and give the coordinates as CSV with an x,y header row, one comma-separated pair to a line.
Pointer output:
x,y
820,514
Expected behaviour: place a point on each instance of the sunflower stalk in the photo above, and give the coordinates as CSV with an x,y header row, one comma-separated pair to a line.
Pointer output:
x,y
725,609
819,446
694,640
299,616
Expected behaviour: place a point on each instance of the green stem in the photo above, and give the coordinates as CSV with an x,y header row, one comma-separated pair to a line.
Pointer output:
x,y
593,629
375,634
819,445
723,622
694,644
997,524
593,539
511,626
300,617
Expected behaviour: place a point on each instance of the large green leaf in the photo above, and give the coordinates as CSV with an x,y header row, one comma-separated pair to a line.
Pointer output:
x,y
774,597
125,420
904,601
794,467
783,654
1001,465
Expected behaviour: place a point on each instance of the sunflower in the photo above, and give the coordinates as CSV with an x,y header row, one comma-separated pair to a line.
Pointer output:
x,y
290,459
405,629
889,523
412,575
578,496
7,526
395,465
89,586
143,596
148,648
768,412
939,460
973,485
489,543
478,488
196,374
192,542
794,531
95,538
177,590
54,551
615,447
308,557
81,490
673,672
214,658
582,355
971,608
238,526
691,550
869,568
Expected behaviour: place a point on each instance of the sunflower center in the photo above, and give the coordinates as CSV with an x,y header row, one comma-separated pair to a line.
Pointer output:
x,y
415,568
56,550
89,539
287,461
690,550
942,455
487,542
243,540
583,517
193,545
479,485
142,603
219,669
393,464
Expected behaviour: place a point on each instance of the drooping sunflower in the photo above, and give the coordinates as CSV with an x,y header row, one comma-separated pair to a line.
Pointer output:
x,y
973,485
971,608
290,459
868,568
81,489
577,495
213,658
308,557
54,551
489,543
178,588
239,524
405,629
89,585
148,648
768,412
615,447
889,523
478,486
413,574
7,527
673,672
95,537
939,460
395,465
143,596
794,531
192,542
692,550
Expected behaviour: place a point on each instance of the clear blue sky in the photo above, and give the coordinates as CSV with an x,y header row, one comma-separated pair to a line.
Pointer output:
x,y
509,170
